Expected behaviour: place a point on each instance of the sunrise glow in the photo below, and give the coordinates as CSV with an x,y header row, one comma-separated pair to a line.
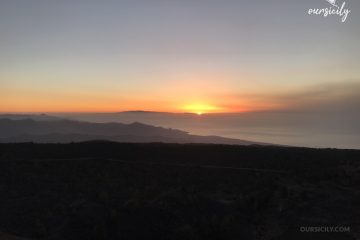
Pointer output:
x,y
200,109
217,65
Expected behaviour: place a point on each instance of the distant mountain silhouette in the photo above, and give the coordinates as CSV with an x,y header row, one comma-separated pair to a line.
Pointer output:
x,y
143,111
36,117
62,131
155,112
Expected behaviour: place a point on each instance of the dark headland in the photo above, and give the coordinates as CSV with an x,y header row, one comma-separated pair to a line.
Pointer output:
x,y
108,190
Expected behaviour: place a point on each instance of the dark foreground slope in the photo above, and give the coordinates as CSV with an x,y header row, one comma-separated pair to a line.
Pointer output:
x,y
104,190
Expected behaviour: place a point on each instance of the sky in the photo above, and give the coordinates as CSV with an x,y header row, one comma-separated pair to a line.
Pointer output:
x,y
178,55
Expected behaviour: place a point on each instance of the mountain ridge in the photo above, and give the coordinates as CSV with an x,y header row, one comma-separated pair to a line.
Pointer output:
x,y
62,131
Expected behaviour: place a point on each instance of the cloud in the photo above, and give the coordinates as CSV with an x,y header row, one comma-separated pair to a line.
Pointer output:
x,y
339,97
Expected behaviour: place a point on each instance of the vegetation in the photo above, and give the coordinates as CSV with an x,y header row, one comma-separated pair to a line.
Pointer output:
x,y
106,190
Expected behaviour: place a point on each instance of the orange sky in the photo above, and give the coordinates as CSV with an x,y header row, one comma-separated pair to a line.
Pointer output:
x,y
53,104
179,56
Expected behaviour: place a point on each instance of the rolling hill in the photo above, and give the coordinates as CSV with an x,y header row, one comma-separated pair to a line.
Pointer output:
x,y
62,131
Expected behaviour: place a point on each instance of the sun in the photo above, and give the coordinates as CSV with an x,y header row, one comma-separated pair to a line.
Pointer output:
x,y
200,109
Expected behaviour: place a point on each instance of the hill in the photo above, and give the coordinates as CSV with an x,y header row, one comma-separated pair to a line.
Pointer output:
x,y
107,190
63,131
